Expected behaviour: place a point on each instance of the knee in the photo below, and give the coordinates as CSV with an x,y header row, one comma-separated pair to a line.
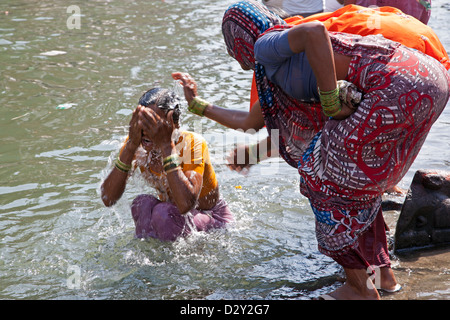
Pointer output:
x,y
163,213
143,203
167,222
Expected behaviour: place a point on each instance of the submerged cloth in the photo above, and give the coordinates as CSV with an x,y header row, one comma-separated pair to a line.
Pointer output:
x,y
351,162
388,21
163,221
419,9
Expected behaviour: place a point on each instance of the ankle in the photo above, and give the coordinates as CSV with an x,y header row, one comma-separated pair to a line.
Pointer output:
x,y
388,280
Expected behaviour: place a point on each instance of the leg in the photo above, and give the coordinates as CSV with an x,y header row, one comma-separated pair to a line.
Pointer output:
x,y
167,222
217,217
369,256
388,281
141,210
372,246
357,287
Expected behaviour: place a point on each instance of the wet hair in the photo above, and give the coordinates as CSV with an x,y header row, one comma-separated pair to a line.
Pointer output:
x,y
164,99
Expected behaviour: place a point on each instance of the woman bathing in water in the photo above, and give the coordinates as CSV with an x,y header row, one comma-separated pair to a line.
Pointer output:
x,y
176,164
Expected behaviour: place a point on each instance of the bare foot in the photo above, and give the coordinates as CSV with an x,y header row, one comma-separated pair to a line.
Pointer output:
x,y
347,292
388,281
397,190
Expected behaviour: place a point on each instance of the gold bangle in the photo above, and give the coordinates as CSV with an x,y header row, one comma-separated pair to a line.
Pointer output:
x,y
170,166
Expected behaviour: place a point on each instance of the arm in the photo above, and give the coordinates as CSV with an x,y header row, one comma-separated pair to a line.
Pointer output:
x,y
313,39
243,157
184,186
234,119
114,185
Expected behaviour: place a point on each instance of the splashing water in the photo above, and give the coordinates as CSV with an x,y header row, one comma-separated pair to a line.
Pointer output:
x,y
58,241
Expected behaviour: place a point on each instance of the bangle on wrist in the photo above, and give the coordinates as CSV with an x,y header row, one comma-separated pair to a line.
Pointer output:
x,y
171,163
172,170
122,166
173,158
331,104
198,106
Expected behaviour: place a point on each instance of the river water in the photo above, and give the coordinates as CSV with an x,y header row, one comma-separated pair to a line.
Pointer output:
x,y
70,78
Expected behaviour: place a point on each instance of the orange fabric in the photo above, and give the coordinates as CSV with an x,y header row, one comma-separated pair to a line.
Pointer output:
x,y
392,23
194,154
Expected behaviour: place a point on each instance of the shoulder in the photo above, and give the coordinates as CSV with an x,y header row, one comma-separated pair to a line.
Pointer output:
x,y
273,46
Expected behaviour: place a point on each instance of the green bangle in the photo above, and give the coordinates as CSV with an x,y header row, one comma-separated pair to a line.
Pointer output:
x,y
173,158
171,162
122,166
330,102
170,166
326,112
198,106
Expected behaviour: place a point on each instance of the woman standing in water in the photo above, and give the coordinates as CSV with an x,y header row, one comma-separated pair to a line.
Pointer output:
x,y
348,160
176,164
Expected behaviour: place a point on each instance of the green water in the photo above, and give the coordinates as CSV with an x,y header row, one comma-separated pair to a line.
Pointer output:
x,y
65,100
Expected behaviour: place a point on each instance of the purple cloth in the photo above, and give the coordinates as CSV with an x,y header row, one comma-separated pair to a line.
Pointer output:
x,y
163,221
421,10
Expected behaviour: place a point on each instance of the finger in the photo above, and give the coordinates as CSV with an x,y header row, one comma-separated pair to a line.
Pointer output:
x,y
179,75
183,77
169,118
148,120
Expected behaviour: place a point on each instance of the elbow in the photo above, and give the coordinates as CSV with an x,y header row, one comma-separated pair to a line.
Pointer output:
x,y
108,202
316,30
106,199
186,205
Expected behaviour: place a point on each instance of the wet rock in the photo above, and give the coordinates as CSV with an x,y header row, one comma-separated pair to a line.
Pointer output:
x,y
424,220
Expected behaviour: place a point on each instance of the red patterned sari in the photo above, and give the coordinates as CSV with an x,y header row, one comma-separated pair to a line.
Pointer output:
x,y
351,162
